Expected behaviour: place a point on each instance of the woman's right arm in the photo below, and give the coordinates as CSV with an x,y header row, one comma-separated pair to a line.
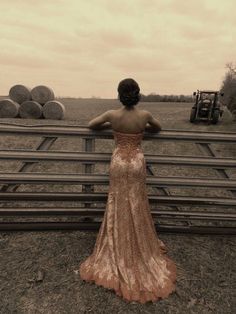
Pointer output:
x,y
152,125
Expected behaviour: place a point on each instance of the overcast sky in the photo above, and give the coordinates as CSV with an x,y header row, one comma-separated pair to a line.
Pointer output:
x,y
83,48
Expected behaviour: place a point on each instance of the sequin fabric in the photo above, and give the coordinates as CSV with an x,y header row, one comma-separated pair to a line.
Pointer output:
x,y
128,257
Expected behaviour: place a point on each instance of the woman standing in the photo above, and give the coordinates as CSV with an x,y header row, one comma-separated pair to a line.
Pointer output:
x,y
128,257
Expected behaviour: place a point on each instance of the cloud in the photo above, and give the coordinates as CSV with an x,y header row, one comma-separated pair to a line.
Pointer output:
x,y
12,60
79,46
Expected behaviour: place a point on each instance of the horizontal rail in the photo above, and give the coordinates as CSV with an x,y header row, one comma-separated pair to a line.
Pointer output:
x,y
102,197
63,131
32,156
43,226
74,211
80,178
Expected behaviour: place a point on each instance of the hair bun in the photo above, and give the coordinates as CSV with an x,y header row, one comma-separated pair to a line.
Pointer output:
x,y
128,90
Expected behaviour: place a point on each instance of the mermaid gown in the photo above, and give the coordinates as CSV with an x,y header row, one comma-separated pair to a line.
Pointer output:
x,y
128,257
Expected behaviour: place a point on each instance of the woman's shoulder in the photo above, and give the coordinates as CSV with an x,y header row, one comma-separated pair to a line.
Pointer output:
x,y
147,113
117,113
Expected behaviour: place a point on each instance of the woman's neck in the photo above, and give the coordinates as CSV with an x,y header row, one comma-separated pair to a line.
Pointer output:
x,y
129,108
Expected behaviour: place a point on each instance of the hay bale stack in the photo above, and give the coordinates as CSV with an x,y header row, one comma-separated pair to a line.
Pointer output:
x,y
42,94
30,110
20,93
54,110
27,103
8,108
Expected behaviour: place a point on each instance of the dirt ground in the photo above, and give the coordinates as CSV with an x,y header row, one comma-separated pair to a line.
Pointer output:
x,y
39,270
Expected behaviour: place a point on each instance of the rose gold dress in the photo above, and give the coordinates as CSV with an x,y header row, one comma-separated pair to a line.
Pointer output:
x,y
128,257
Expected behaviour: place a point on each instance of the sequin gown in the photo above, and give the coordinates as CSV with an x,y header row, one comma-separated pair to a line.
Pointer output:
x,y
128,257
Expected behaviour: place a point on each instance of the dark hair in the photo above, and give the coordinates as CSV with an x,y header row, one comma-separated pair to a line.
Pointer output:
x,y
128,90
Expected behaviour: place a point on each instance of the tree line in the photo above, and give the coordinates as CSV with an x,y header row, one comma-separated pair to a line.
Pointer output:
x,y
229,87
153,97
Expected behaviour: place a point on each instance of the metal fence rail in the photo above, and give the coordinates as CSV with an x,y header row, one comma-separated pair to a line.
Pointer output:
x,y
174,220
80,178
83,131
32,156
102,197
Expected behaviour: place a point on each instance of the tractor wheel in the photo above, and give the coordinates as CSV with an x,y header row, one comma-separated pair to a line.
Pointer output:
x,y
193,115
215,116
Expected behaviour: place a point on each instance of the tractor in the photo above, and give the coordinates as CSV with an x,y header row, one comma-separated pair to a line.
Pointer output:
x,y
206,106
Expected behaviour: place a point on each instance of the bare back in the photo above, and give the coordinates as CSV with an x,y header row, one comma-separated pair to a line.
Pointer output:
x,y
128,121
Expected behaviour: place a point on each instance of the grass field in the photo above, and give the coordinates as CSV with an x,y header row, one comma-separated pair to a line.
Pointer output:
x,y
171,115
205,264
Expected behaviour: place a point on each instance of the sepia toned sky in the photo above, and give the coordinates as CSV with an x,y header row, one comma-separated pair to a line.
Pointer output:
x,y
83,48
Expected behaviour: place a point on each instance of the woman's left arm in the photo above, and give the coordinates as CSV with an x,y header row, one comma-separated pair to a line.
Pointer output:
x,y
101,122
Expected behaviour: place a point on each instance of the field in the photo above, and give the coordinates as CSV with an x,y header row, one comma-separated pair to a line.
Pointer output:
x,y
38,270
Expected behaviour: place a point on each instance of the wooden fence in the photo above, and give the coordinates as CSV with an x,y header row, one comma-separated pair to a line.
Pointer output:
x,y
207,220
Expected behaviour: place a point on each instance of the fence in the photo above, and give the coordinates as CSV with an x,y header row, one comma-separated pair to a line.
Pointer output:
x,y
175,219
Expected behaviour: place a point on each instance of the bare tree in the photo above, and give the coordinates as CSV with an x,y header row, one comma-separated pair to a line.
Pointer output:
x,y
231,67
229,87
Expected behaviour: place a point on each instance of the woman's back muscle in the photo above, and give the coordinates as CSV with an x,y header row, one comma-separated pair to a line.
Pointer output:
x,y
128,121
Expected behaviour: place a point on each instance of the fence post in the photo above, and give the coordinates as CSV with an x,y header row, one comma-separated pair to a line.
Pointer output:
x,y
88,145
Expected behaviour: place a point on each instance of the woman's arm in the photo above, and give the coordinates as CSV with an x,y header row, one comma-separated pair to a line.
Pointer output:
x,y
152,124
101,122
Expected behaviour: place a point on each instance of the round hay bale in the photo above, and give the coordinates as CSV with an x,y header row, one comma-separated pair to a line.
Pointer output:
x,y
20,93
54,110
42,94
30,110
8,108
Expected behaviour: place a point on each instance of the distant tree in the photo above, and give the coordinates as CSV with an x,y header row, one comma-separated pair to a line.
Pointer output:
x,y
229,87
181,98
153,97
95,97
231,67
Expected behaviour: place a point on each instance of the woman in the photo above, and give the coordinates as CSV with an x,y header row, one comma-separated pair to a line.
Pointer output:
x,y
128,257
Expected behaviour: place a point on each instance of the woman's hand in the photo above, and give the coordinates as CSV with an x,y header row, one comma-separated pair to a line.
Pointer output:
x,y
152,129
